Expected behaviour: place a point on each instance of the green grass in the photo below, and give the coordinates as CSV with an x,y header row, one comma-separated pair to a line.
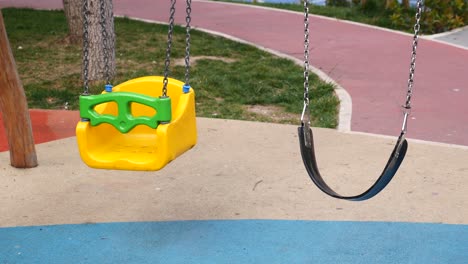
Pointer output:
x,y
50,69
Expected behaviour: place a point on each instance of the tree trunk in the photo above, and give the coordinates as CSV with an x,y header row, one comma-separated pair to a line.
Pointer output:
x,y
96,69
14,108
388,3
405,3
74,13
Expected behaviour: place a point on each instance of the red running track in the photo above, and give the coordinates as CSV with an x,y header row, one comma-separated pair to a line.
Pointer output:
x,y
371,64
47,125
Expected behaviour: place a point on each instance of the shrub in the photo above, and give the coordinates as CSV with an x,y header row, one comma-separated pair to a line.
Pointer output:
x,y
438,15
344,3
373,6
444,15
400,17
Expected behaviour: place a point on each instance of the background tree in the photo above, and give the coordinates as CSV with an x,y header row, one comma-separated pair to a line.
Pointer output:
x,y
74,12
388,3
14,108
405,3
97,44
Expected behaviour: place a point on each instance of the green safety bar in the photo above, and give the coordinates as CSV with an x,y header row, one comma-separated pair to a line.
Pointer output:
x,y
125,121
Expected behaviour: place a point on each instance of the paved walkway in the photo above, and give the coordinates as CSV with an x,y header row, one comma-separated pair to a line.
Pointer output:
x,y
457,37
371,64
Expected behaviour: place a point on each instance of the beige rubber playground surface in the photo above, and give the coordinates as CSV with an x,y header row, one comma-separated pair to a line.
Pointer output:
x,y
240,170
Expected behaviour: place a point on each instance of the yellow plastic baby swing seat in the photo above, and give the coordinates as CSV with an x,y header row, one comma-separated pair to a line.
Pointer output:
x,y
142,148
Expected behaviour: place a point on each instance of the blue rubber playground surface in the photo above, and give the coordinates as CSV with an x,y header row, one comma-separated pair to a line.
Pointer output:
x,y
237,241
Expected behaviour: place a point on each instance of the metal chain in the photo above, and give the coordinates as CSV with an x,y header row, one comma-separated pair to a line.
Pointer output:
x,y
102,11
85,47
409,93
305,119
188,19
169,46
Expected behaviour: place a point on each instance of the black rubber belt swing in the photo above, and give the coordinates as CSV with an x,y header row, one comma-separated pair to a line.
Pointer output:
x,y
306,140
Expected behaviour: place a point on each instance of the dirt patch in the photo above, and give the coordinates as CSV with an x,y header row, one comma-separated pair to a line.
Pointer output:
x,y
194,59
273,113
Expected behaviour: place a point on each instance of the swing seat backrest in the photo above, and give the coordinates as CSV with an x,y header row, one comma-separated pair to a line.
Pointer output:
x,y
138,146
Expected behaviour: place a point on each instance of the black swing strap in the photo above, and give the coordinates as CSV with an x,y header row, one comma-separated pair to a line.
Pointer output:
x,y
306,140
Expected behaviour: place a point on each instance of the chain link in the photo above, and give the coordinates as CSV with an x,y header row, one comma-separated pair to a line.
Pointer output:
x,y
85,47
167,62
305,119
413,55
188,19
409,93
102,12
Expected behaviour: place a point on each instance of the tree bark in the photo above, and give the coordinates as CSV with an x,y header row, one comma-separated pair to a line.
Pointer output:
x,y
388,3
74,13
14,108
96,69
405,3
